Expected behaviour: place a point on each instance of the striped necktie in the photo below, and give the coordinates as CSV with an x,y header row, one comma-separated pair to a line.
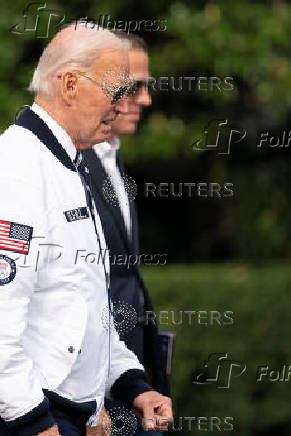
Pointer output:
x,y
84,174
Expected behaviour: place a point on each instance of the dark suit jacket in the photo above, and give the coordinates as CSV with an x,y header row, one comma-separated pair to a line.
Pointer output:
x,y
126,284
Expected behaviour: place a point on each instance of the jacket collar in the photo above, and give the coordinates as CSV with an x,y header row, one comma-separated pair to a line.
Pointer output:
x,y
61,135
63,150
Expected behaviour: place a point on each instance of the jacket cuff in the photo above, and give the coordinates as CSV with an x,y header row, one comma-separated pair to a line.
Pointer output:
x,y
129,386
35,421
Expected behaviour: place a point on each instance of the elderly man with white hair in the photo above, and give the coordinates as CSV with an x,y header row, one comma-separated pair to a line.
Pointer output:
x,y
57,359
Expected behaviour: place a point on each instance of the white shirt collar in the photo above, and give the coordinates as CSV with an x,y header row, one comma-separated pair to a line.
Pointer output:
x,y
61,135
107,149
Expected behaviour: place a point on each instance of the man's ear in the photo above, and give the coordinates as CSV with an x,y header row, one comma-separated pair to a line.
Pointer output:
x,y
69,86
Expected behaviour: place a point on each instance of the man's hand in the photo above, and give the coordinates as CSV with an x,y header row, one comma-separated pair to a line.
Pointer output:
x,y
53,431
154,409
103,425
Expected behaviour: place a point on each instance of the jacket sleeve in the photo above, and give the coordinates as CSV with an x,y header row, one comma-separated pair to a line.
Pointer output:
x,y
127,377
22,403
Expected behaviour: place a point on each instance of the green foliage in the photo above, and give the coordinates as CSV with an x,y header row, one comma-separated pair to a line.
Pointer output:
x,y
259,335
248,41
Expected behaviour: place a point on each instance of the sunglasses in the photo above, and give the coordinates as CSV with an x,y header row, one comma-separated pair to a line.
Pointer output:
x,y
115,92
136,85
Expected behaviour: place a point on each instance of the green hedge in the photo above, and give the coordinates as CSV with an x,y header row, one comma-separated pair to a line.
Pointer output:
x,y
260,334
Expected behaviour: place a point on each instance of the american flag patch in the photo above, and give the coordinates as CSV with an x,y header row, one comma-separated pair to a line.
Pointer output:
x,y
15,237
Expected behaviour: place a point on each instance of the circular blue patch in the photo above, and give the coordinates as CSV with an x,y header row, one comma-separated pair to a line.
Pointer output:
x,y
7,270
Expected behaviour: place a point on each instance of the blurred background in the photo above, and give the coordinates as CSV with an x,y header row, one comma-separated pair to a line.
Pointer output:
x,y
223,253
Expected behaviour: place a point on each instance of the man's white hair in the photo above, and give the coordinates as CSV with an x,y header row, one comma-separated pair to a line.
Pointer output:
x,y
76,47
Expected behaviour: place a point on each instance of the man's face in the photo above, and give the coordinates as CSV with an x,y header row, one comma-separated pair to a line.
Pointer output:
x,y
127,120
92,109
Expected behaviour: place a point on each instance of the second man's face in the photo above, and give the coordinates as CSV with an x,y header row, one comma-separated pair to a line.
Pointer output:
x,y
127,120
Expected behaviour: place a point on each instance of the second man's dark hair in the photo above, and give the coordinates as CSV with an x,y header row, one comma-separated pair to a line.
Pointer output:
x,y
136,41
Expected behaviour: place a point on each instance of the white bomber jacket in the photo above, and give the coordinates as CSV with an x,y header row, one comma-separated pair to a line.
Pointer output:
x,y
52,299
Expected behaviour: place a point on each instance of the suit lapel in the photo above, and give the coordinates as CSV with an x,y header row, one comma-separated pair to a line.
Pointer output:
x,y
98,176
134,226
133,240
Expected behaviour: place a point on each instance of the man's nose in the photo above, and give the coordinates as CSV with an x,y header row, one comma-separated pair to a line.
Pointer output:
x,y
143,97
121,105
